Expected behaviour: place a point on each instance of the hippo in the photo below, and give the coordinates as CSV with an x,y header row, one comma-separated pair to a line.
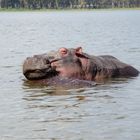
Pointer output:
x,y
38,69
74,63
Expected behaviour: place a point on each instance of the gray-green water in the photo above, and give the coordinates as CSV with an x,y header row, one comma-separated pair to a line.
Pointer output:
x,y
107,112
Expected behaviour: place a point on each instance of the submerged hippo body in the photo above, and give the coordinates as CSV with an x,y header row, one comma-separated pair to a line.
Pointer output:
x,y
65,82
73,63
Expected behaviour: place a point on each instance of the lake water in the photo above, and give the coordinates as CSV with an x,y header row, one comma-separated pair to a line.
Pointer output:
x,y
110,111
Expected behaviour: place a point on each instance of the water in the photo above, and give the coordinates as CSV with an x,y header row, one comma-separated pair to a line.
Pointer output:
x,y
106,112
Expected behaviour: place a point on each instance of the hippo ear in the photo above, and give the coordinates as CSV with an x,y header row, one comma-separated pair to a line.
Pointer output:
x,y
63,51
79,50
79,53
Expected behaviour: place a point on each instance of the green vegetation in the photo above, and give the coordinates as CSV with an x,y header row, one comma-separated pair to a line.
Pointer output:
x,y
67,4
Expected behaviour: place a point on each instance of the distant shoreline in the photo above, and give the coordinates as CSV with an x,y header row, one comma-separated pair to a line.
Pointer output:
x,y
64,9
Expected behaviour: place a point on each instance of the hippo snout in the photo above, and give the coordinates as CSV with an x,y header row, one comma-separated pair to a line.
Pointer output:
x,y
37,67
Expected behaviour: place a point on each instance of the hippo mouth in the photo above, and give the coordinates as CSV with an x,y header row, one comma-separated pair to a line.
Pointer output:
x,y
40,74
36,74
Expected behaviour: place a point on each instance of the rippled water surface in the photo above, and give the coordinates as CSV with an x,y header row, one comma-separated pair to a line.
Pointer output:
x,y
110,111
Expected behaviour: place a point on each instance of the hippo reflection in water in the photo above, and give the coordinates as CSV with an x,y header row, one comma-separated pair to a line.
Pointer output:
x,y
77,65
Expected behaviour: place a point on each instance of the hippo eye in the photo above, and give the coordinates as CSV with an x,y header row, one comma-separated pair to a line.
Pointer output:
x,y
63,51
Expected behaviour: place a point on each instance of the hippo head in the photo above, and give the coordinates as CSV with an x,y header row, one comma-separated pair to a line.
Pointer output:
x,y
37,67
64,62
69,63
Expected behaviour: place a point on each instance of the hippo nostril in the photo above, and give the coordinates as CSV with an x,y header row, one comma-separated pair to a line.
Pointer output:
x,y
47,62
